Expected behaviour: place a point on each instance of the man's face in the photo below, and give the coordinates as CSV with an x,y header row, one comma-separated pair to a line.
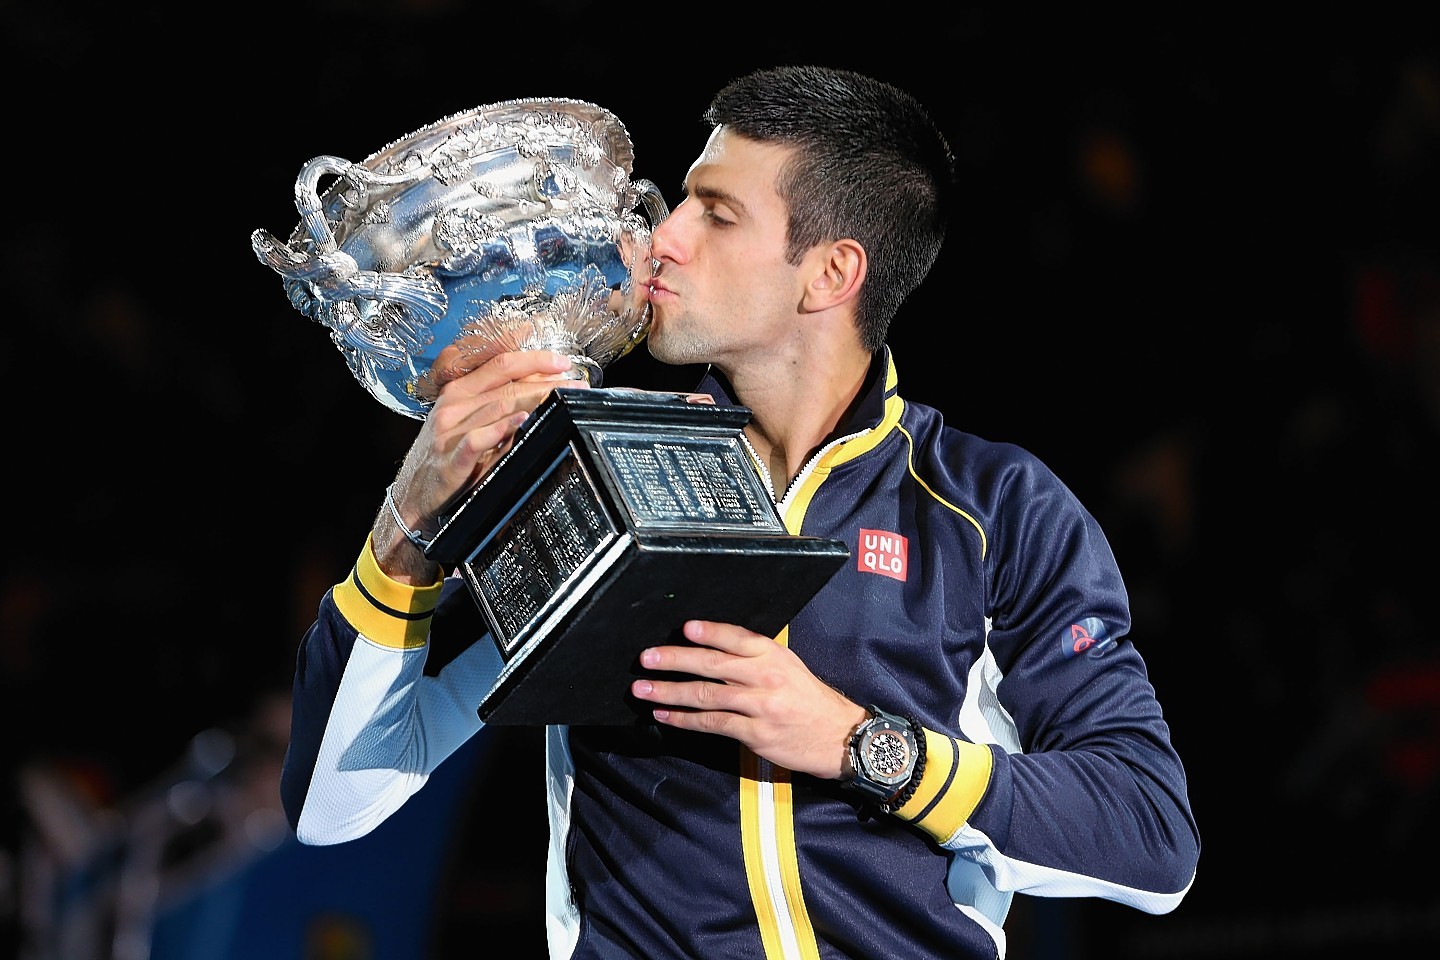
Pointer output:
x,y
724,291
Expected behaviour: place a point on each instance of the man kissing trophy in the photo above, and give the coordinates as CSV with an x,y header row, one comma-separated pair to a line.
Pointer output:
x,y
617,514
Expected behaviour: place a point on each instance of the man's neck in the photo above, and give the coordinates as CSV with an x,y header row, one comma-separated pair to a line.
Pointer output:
x,y
794,410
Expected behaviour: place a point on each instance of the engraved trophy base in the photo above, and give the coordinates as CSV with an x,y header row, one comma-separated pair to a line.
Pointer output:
x,y
616,516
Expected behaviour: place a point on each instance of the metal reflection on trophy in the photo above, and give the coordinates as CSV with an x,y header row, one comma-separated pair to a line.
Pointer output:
x,y
616,514
512,226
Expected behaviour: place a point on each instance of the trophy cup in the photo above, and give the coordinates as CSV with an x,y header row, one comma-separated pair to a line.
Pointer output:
x,y
617,514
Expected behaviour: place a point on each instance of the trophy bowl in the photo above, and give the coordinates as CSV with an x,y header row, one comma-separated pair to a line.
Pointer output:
x,y
514,225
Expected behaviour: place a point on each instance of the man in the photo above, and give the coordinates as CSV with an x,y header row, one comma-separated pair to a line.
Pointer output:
x,y
956,716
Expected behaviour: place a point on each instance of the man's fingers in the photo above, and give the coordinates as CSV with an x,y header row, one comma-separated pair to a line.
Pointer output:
x,y
476,415
725,636
716,659
690,694
506,368
694,705
489,438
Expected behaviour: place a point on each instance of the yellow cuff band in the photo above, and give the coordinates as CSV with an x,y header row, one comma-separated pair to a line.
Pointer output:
x,y
956,775
386,611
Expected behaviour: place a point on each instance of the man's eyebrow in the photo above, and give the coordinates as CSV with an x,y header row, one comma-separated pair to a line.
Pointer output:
x,y
712,193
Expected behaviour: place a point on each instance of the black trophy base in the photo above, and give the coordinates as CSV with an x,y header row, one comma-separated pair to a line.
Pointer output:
x,y
580,672
615,517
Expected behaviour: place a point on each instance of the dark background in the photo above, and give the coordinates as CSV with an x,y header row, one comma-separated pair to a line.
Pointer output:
x,y
1196,271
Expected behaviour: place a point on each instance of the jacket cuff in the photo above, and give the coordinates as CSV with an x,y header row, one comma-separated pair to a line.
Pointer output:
x,y
386,611
956,775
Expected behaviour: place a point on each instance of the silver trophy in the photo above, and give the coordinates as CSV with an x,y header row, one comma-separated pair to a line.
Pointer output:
x,y
510,226
616,514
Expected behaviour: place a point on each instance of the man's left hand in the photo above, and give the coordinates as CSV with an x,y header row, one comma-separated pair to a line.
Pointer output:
x,y
755,691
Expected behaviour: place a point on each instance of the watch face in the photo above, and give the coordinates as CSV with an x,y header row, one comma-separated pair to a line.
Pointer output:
x,y
887,755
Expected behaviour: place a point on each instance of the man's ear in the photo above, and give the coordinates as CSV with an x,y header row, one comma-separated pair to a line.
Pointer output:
x,y
838,270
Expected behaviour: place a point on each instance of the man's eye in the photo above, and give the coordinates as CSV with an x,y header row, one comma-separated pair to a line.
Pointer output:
x,y
717,219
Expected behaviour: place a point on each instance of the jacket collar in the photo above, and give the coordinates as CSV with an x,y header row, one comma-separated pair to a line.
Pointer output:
x,y
880,384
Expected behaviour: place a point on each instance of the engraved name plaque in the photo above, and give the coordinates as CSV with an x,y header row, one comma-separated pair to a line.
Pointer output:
x,y
616,516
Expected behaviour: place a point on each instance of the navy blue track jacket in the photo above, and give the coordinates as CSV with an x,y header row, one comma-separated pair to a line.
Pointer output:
x,y
981,598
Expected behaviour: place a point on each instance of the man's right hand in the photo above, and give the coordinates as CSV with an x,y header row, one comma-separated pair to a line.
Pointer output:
x,y
470,426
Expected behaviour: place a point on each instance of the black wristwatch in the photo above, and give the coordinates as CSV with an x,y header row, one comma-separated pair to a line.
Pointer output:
x,y
883,757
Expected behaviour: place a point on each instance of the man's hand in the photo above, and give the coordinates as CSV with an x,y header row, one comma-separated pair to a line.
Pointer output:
x,y
470,426
765,697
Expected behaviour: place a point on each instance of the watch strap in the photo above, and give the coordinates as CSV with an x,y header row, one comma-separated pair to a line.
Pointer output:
x,y
913,784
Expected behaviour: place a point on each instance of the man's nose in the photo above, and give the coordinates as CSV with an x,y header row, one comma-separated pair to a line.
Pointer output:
x,y
666,240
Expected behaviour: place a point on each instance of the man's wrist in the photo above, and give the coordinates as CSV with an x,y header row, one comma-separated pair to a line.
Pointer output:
x,y
847,766
421,542
400,551
399,559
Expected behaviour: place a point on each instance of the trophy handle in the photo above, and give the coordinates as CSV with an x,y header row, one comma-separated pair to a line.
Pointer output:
x,y
652,200
318,282
656,209
307,194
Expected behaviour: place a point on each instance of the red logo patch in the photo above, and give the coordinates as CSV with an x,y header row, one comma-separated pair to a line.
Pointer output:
x,y
1080,639
883,553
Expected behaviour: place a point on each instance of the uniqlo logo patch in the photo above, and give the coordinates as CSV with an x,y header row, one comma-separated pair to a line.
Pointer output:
x,y
883,553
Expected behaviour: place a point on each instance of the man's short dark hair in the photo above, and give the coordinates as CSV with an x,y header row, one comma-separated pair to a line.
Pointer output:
x,y
870,165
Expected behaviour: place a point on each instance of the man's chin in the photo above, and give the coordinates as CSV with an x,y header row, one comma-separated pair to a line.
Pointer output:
x,y
658,348
670,358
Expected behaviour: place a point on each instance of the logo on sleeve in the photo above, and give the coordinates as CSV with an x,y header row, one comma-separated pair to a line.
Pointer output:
x,y
1089,637
883,553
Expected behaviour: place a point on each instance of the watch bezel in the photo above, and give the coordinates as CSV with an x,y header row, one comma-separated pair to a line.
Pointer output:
x,y
867,776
